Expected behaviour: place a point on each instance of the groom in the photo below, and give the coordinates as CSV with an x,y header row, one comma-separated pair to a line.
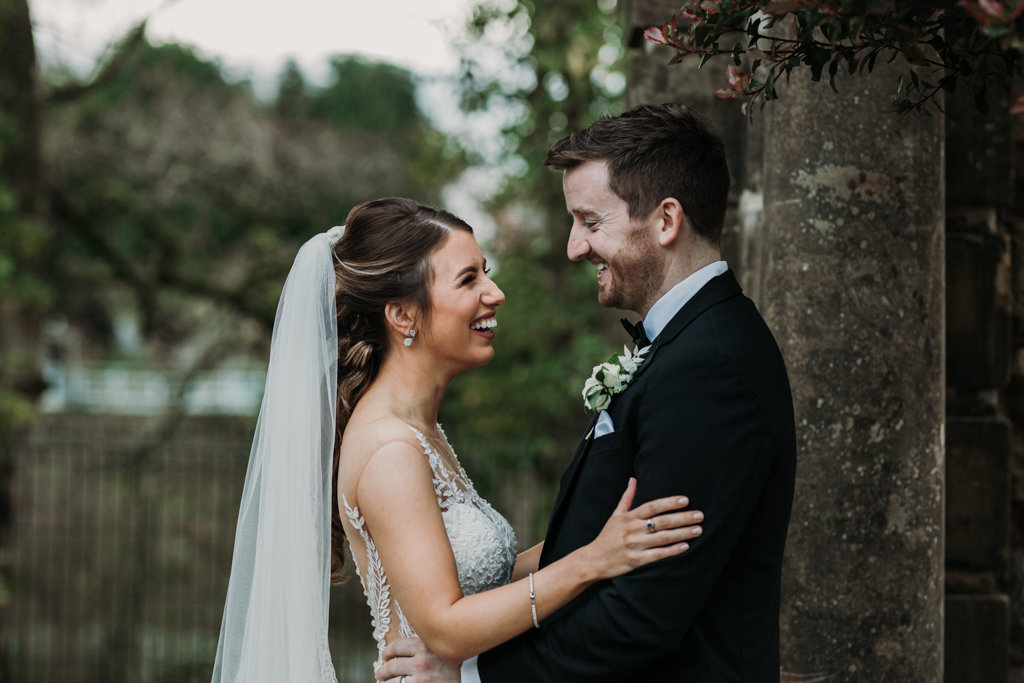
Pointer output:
x,y
708,414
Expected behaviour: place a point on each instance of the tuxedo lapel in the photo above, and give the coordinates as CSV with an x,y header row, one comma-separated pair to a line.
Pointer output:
x,y
718,289
569,477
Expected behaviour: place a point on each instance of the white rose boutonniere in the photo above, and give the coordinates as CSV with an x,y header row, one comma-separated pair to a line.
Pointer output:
x,y
612,377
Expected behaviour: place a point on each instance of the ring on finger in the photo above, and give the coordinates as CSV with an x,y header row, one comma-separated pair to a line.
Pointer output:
x,y
650,526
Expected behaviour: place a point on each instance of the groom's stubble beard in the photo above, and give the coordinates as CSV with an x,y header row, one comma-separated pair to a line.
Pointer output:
x,y
636,274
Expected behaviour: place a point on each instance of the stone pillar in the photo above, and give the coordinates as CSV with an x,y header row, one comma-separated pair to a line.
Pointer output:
x,y
852,284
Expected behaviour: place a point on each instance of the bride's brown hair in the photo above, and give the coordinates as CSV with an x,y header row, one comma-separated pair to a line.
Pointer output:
x,y
383,256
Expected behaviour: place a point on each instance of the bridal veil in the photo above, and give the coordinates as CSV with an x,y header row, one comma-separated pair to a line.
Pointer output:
x,y
274,627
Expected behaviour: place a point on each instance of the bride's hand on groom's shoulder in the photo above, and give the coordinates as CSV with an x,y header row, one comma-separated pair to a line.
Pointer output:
x,y
410,658
648,533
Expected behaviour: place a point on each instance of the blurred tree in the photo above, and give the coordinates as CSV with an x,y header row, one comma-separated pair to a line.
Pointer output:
x,y
367,96
25,244
524,411
292,101
172,184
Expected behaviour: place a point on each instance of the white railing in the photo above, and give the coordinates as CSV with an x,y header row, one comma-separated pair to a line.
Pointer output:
x,y
113,388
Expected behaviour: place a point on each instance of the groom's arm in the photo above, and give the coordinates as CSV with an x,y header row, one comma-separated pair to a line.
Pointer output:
x,y
710,441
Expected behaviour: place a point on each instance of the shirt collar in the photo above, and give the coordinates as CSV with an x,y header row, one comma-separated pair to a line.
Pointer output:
x,y
665,308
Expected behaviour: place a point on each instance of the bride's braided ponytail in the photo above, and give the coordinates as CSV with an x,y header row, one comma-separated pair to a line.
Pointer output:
x,y
383,256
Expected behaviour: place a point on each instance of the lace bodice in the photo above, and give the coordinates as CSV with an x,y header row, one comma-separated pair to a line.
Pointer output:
x,y
482,541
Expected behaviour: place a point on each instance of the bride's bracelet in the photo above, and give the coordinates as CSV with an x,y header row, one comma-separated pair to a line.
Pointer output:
x,y
533,603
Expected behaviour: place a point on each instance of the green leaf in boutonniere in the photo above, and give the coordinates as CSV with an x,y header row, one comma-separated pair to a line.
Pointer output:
x,y
612,377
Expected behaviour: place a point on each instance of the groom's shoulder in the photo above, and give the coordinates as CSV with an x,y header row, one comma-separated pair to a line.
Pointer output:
x,y
728,332
714,319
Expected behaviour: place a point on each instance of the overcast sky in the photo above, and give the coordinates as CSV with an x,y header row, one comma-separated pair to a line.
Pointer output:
x,y
253,38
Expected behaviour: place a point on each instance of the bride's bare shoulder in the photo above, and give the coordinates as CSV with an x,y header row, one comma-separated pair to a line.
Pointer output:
x,y
377,448
380,458
366,435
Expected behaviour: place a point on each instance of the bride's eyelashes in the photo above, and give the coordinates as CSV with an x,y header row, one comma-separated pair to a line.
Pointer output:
x,y
472,276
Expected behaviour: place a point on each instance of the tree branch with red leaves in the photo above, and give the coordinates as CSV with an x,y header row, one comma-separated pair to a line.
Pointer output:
x,y
973,44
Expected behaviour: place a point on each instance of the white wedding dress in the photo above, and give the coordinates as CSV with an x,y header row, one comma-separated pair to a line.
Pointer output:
x,y
482,541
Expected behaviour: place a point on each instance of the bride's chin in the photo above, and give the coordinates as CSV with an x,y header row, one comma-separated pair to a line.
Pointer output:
x,y
474,361
483,358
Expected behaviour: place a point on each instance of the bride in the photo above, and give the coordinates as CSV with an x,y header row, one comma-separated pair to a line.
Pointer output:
x,y
374,321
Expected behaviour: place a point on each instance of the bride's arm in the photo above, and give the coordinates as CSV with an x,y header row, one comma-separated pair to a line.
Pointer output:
x,y
527,561
396,496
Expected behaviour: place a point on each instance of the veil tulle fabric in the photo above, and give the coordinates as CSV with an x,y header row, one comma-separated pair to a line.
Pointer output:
x,y
274,628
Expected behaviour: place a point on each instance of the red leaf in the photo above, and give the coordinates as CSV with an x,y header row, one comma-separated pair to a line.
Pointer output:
x,y
655,35
988,12
725,93
739,80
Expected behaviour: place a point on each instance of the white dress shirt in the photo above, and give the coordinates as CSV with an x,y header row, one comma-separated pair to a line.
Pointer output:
x,y
672,301
663,310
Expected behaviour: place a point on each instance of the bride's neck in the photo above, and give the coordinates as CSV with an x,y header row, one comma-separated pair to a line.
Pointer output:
x,y
410,387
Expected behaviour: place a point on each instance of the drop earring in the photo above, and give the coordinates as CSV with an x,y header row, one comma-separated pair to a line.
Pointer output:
x,y
408,340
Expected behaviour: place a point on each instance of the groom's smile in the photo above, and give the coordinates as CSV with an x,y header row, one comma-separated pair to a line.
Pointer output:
x,y
603,233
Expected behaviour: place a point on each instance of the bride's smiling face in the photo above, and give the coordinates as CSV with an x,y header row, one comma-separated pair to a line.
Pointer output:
x,y
460,326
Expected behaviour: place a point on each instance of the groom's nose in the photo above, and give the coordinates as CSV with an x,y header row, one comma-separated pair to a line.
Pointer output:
x,y
577,247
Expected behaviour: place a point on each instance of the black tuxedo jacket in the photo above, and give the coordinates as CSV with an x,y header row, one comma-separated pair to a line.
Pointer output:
x,y
709,415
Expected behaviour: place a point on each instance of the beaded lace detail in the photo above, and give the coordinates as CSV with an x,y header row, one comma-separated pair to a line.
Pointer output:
x,y
482,541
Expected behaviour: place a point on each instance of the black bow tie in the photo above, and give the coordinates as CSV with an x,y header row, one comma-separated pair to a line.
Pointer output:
x,y
637,332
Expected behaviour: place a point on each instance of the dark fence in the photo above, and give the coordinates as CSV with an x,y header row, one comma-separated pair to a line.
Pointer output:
x,y
123,534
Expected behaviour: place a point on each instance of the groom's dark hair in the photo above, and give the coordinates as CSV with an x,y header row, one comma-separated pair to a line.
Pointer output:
x,y
655,152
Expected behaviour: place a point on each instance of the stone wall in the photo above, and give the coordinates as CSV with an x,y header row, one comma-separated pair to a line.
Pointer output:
x,y
1013,401
980,333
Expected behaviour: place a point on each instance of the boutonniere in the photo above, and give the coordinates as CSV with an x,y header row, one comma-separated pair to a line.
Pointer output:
x,y
612,377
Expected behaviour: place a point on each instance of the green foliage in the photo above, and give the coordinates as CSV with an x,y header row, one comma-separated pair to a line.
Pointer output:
x,y
366,96
561,67
179,192
944,43
16,412
137,77
560,64
292,100
23,248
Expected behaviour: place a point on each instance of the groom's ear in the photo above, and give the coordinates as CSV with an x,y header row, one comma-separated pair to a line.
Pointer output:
x,y
672,221
400,317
